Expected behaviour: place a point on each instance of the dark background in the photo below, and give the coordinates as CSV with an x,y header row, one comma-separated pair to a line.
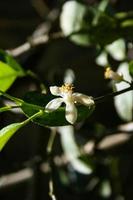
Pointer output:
x,y
18,19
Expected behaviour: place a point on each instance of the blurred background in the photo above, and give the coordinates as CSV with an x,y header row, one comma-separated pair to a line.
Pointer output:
x,y
24,173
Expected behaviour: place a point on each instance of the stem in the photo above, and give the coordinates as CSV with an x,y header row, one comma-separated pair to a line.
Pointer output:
x,y
6,108
33,117
16,100
113,94
51,141
49,152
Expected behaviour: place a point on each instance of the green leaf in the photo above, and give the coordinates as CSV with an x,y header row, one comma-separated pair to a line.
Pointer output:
x,y
9,71
7,132
131,68
7,76
9,60
33,102
124,102
103,5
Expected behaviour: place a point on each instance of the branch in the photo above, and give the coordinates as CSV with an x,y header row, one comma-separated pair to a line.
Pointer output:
x,y
113,94
39,36
33,42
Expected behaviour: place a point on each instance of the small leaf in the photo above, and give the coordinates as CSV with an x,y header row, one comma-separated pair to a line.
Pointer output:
x,y
7,132
9,71
124,102
117,49
33,102
131,68
7,76
102,59
9,60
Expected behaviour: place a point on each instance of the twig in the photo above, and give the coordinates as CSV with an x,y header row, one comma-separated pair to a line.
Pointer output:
x,y
49,152
16,177
28,45
33,42
39,36
113,94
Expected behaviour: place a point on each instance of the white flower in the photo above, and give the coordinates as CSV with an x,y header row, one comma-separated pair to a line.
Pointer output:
x,y
69,98
110,74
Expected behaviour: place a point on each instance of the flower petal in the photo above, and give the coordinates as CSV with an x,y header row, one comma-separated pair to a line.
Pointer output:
x,y
54,104
55,90
83,99
71,113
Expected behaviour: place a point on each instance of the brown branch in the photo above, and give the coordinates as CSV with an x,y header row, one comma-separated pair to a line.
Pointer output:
x,y
39,36
25,174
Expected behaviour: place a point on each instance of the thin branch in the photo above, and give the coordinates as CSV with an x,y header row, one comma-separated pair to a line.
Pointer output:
x,y
113,94
16,177
40,35
49,152
33,42
8,108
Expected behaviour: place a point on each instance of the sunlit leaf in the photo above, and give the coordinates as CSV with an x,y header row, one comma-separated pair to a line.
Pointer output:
x,y
117,49
7,76
72,152
105,189
72,20
102,59
7,132
9,60
103,5
124,102
9,71
36,101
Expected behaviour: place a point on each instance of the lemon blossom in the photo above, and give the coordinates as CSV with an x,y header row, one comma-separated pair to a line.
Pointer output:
x,y
110,74
69,98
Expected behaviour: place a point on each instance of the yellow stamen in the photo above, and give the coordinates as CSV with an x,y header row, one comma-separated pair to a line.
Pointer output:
x,y
66,88
108,73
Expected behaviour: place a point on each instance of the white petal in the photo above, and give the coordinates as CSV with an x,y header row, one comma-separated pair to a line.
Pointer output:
x,y
54,104
71,113
83,99
55,90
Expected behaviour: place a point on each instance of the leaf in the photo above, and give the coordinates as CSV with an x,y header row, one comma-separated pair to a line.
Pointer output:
x,y
73,19
9,71
131,68
7,76
7,132
102,59
72,151
88,25
124,102
34,101
117,49
9,60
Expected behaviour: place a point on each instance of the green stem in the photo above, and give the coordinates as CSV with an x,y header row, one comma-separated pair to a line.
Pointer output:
x,y
16,100
6,108
51,141
113,94
38,114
